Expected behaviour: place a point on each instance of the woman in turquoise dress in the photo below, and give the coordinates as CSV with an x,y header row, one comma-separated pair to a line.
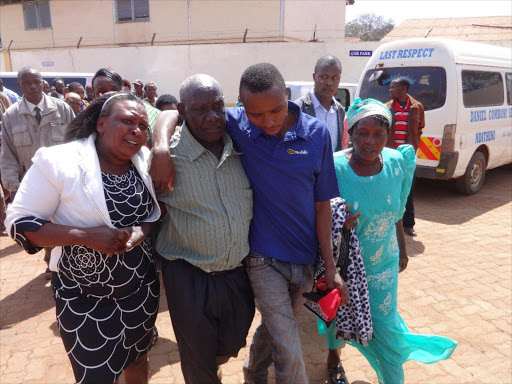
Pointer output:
x,y
376,182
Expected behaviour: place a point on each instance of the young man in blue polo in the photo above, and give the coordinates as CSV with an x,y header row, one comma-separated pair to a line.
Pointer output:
x,y
288,159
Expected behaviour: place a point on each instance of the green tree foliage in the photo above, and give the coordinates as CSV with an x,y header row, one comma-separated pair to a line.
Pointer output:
x,y
369,27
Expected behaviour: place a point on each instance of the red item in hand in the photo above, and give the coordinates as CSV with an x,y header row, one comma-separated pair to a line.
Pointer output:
x,y
330,303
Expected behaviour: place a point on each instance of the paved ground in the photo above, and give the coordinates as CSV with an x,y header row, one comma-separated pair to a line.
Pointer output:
x,y
458,284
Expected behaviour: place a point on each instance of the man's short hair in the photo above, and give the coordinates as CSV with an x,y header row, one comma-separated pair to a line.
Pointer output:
x,y
24,70
57,79
327,60
165,99
74,86
260,78
403,82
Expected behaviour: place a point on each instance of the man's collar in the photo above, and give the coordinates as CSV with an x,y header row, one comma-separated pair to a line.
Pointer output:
x,y
316,102
195,149
31,106
293,132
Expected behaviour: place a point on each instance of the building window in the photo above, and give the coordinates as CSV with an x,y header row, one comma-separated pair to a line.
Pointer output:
x,y
482,89
132,10
37,15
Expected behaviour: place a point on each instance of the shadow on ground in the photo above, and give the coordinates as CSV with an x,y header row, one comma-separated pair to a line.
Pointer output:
x,y
10,250
16,307
454,208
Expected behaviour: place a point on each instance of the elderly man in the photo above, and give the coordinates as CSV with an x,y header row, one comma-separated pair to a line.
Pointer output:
x,y
33,122
205,236
287,156
320,101
408,124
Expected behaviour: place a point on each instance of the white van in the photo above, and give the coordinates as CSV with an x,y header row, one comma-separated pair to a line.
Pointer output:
x,y
345,95
10,79
466,90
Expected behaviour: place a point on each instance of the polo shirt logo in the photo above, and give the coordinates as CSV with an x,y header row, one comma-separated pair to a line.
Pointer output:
x,y
293,152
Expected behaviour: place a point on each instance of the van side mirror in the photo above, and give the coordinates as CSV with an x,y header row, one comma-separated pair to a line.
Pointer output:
x,y
376,76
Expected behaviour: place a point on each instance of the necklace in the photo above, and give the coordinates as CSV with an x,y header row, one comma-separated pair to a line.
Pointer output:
x,y
358,171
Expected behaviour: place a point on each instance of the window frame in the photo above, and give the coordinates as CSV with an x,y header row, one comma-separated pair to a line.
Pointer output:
x,y
36,3
134,17
481,71
508,87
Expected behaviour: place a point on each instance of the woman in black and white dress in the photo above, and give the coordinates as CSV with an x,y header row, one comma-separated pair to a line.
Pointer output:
x,y
93,200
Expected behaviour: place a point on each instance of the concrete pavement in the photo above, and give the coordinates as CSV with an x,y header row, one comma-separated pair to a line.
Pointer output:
x,y
458,284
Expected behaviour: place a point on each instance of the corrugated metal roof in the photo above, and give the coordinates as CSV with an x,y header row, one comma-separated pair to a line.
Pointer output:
x,y
493,28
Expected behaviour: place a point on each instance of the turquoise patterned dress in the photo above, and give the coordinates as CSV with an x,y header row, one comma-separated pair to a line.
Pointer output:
x,y
381,199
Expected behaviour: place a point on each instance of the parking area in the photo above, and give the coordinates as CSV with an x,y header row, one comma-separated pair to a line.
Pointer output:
x,y
458,284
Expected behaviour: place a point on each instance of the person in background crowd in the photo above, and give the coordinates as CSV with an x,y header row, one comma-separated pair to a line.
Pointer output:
x,y
52,88
13,96
151,95
106,80
320,101
281,149
78,88
46,88
208,292
127,87
92,199
5,103
74,101
166,102
408,123
375,181
58,83
138,86
89,93
42,120
66,90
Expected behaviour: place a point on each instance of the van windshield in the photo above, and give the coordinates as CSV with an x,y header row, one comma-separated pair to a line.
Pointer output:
x,y
428,85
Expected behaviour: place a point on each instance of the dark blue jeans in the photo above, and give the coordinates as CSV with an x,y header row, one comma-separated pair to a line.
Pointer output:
x,y
278,288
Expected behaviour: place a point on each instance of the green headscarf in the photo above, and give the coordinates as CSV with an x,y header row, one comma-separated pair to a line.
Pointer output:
x,y
368,107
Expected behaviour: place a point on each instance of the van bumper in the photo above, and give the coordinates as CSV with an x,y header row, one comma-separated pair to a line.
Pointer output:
x,y
444,169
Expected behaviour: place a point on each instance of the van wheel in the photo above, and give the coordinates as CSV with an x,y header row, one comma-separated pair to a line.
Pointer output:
x,y
473,179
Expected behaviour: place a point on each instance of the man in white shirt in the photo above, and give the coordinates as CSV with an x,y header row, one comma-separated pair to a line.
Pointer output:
x,y
35,121
320,101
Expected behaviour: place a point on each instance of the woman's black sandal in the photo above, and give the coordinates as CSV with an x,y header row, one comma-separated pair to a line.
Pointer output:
x,y
337,375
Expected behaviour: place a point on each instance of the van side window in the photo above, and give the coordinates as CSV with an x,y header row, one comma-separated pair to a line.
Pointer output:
x,y
343,98
428,85
482,89
508,80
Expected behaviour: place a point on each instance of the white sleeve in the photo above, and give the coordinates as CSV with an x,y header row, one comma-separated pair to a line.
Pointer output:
x,y
38,194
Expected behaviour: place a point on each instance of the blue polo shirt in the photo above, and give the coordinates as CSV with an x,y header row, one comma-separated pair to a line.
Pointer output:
x,y
288,175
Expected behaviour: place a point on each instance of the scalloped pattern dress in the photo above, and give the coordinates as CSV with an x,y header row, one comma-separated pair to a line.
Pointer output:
x,y
106,306
381,199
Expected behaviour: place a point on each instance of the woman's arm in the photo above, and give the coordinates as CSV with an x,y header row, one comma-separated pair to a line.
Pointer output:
x,y
324,233
162,167
103,239
400,237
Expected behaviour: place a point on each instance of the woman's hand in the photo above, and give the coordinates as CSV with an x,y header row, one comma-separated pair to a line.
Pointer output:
x,y
136,238
350,221
334,280
402,262
107,240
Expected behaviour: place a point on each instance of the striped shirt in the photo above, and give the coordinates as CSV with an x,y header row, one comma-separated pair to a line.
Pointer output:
x,y
210,209
152,115
401,122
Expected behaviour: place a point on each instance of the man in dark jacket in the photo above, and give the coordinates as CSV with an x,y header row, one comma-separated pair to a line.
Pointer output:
x,y
408,123
320,101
